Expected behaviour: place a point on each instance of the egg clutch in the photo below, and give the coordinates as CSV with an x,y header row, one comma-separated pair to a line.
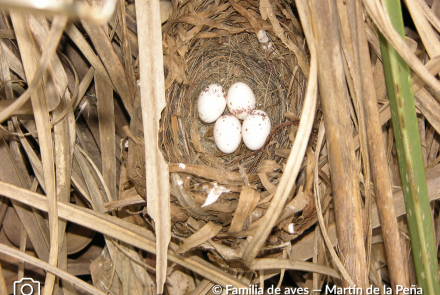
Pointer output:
x,y
228,131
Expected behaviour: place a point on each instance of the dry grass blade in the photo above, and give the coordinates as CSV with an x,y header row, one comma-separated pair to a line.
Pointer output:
x,y
424,29
25,112
352,60
184,197
153,101
429,107
125,43
381,19
106,115
269,186
55,79
220,176
53,39
319,257
58,98
39,236
118,229
303,250
207,232
56,271
317,200
274,263
6,33
203,288
112,63
97,202
433,66
430,15
64,140
32,156
84,85
13,62
341,267
96,197
295,158
76,36
246,204
124,201
43,124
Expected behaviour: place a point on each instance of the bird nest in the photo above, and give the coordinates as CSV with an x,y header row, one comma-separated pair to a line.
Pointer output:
x,y
207,42
224,61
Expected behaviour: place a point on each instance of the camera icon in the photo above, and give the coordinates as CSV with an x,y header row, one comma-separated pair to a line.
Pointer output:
x,y
26,286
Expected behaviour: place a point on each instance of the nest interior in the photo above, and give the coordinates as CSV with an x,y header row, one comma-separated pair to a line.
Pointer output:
x,y
236,58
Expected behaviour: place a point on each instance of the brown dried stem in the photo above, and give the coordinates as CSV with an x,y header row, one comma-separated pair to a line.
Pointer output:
x,y
345,185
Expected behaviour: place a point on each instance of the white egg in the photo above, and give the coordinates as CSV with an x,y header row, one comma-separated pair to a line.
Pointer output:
x,y
241,100
227,133
211,103
256,129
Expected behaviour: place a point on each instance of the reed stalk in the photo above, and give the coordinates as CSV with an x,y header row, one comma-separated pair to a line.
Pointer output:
x,y
409,152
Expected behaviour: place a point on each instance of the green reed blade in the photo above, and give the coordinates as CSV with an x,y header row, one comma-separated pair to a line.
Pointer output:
x,y
409,152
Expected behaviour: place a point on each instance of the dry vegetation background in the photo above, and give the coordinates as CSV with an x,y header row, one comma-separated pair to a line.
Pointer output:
x,y
105,165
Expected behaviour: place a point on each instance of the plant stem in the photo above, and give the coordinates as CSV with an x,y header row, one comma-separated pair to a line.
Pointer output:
x,y
409,152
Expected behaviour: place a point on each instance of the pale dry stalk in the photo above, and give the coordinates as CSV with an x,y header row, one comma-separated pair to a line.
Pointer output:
x,y
378,162
345,185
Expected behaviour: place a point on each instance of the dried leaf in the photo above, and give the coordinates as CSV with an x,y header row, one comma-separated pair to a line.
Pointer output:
x,y
269,186
296,205
27,218
55,84
113,65
13,62
221,176
207,232
179,281
268,166
76,36
44,131
246,204
429,107
125,200
268,263
49,268
119,229
377,13
153,101
184,197
303,249
106,115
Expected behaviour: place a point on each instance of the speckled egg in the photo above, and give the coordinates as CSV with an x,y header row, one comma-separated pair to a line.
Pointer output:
x,y
227,133
211,103
241,100
256,129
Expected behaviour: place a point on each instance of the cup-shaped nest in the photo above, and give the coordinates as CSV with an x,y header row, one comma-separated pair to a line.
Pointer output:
x,y
276,81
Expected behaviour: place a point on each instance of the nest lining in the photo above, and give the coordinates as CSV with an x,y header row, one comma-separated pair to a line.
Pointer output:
x,y
278,88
